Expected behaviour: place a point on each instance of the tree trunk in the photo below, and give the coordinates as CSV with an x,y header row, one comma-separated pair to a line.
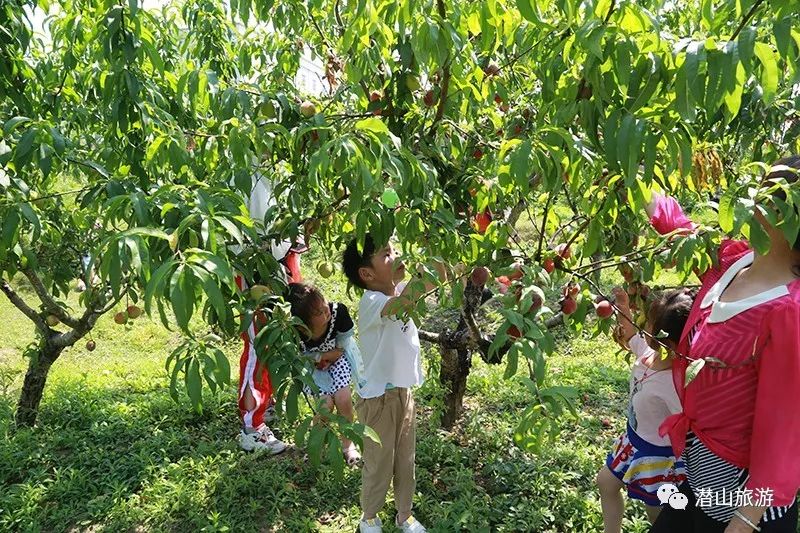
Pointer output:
x,y
32,388
457,361
453,376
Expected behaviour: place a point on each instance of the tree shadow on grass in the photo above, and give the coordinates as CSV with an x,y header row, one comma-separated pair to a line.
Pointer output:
x,y
127,458
122,458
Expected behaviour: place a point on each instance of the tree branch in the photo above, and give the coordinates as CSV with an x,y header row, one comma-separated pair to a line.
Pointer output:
x,y
619,313
338,17
319,31
50,305
87,321
58,194
544,226
566,33
513,217
610,11
62,340
472,324
429,336
555,320
20,304
570,202
346,116
746,19
52,103
475,138
577,233
199,134
605,263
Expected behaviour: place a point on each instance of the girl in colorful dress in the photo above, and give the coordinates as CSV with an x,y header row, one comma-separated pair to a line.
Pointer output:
x,y
642,460
739,429
328,342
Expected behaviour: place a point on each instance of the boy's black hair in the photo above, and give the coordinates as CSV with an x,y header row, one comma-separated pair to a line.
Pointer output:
x,y
353,260
669,312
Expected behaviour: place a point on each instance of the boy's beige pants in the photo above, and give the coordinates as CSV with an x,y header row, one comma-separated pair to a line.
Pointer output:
x,y
392,417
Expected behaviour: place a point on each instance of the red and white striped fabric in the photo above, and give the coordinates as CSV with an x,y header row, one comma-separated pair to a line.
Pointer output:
x,y
745,412
253,374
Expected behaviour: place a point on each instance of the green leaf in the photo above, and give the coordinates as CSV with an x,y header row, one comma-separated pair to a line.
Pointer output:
x,y
758,237
726,209
512,362
301,431
335,457
25,144
231,228
222,371
173,381
692,370
9,235
214,296
527,10
746,45
715,82
194,385
315,442
156,284
182,296
97,167
782,30
520,166
152,150
113,267
373,124
213,263
610,132
208,366
30,215
12,123
769,71
144,231
687,74
594,238
292,407
371,434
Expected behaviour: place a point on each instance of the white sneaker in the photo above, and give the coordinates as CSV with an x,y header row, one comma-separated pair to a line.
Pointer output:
x,y
373,525
262,440
269,414
410,525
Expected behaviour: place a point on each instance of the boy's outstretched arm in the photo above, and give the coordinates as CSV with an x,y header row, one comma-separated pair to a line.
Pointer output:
x,y
412,292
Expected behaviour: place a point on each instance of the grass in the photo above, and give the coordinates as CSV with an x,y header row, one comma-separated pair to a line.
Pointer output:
x,y
113,452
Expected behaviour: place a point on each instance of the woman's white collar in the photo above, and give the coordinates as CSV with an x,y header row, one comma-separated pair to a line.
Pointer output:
x,y
722,311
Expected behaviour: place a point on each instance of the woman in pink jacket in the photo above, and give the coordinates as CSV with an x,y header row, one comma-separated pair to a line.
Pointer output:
x,y
739,431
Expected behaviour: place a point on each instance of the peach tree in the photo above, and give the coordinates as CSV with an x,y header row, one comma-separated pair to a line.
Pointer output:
x,y
131,136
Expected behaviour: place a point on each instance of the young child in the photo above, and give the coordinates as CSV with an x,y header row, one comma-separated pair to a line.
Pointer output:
x,y
390,349
328,340
642,460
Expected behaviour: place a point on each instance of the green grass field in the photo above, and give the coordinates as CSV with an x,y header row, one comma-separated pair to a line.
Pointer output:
x,y
113,452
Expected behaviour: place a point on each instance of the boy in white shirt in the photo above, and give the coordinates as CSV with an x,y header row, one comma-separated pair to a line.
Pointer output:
x,y
390,352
